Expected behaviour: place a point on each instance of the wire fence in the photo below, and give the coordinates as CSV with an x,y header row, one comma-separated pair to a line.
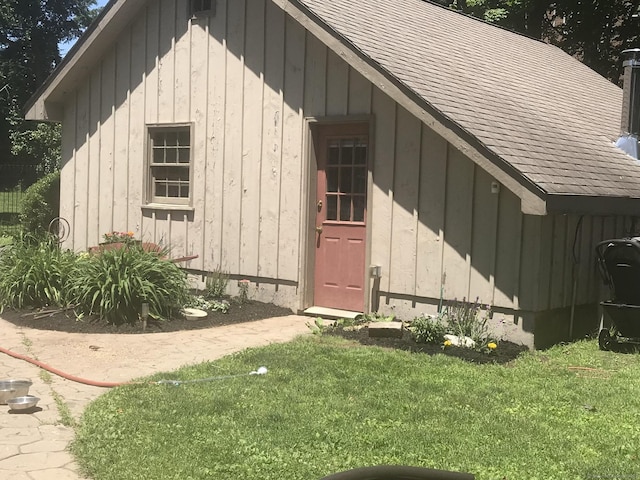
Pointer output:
x,y
14,180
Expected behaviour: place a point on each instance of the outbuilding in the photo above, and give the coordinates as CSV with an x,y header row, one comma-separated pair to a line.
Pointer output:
x,y
369,155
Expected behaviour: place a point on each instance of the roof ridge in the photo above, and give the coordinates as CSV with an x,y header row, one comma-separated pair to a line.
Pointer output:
x,y
486,22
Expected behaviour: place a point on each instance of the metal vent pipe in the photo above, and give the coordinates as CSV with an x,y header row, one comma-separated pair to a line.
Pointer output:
x,y
630,127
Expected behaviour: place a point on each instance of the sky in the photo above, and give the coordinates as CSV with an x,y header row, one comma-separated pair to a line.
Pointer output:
x,y
64,47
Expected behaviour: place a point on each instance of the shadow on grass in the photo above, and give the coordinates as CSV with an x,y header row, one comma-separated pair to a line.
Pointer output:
x,y
505,353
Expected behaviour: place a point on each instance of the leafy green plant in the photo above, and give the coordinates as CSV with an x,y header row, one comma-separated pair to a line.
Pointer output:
x,y
377,317
428,329
33,273
465,319
317,327
115,283
40,204
212,305
217,282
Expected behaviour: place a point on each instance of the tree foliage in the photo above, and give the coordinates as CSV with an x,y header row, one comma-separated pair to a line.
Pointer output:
x,y
30,31
594,31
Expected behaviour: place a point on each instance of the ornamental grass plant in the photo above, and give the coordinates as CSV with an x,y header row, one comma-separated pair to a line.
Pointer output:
x,y
34,272
115,283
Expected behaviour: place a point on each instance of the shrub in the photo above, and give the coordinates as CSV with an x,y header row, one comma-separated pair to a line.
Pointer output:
x,y
40,204
217,282
427,329
33,273
115,283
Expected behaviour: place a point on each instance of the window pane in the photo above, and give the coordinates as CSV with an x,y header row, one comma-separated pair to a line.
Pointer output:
x,y
160,189
170,155
345,208
158,155
183,155
184,139
347,152
174,190
361,154
345,180
360,180
358,209
171,138
332,207
332,179
333,154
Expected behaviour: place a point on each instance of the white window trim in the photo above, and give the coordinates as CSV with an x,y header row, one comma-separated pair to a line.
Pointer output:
x,y
168,203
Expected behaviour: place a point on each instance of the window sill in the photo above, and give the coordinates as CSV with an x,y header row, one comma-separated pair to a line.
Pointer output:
x,y
168,206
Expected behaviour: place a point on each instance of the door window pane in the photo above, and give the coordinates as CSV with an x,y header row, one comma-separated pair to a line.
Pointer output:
x,y
333,157
332,207
360,154
332,179
345,208
358,208
345,180
359,179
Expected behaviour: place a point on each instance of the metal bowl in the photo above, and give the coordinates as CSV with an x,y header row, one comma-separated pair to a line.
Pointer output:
x,y
12,388
23,403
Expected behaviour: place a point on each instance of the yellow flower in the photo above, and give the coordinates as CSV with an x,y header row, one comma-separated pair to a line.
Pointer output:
x,y
492,346
447,343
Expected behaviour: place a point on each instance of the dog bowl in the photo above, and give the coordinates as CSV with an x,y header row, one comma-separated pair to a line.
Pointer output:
x,y
12,388
23,403
193,313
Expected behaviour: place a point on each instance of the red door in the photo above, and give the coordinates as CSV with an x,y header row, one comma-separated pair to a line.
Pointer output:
x,y
342,157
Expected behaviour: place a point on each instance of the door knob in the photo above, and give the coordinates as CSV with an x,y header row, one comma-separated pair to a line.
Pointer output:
x,y
319,229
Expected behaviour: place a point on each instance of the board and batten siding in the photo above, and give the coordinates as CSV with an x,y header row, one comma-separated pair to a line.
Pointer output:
x,y
246,79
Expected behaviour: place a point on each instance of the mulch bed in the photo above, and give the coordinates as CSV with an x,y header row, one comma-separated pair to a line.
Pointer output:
x,y
505,353
66,321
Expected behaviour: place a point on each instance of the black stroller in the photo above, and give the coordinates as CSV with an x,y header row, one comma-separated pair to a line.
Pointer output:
x,y
619,264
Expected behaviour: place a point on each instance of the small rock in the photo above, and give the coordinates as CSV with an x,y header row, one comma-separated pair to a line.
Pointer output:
x,y
460,341
385,329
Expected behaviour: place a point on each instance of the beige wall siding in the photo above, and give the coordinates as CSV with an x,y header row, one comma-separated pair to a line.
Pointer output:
x,y
246,79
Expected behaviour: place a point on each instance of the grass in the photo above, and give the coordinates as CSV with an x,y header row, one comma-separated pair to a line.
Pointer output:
x,y
328,405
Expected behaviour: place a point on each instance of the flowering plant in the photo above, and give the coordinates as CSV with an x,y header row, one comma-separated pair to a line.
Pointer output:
x,y
118,237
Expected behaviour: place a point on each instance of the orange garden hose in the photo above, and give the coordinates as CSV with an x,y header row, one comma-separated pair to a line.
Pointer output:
x,y
62,374
93,383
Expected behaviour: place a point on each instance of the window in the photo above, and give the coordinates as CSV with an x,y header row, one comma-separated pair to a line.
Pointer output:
x,y
203,7
170,164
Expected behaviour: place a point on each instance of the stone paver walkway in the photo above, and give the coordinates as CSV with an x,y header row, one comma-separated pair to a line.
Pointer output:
x,y
33,446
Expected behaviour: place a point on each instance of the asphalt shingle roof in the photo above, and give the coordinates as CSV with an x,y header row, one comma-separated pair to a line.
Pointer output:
x,y
542,111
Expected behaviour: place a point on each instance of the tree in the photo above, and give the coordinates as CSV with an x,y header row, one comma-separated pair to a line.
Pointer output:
x,y
30,31
594,31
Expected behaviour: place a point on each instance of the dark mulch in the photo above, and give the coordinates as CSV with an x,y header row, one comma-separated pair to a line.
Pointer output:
x,y
67,321
505,353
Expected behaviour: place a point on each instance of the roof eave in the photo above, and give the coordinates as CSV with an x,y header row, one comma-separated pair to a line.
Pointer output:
x,y
593,205
47,102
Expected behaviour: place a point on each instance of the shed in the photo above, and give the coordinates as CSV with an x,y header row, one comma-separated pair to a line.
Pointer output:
x,y
369,155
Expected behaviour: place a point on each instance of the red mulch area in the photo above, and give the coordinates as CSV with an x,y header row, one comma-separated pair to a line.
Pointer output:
x,y
67,321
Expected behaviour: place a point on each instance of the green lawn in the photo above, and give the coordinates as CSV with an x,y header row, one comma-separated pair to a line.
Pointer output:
x,y
327,405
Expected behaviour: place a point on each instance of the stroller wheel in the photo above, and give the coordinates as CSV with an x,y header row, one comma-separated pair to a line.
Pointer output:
x,y
604,339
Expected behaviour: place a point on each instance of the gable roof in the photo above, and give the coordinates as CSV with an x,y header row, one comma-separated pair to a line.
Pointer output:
x,y
539,120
